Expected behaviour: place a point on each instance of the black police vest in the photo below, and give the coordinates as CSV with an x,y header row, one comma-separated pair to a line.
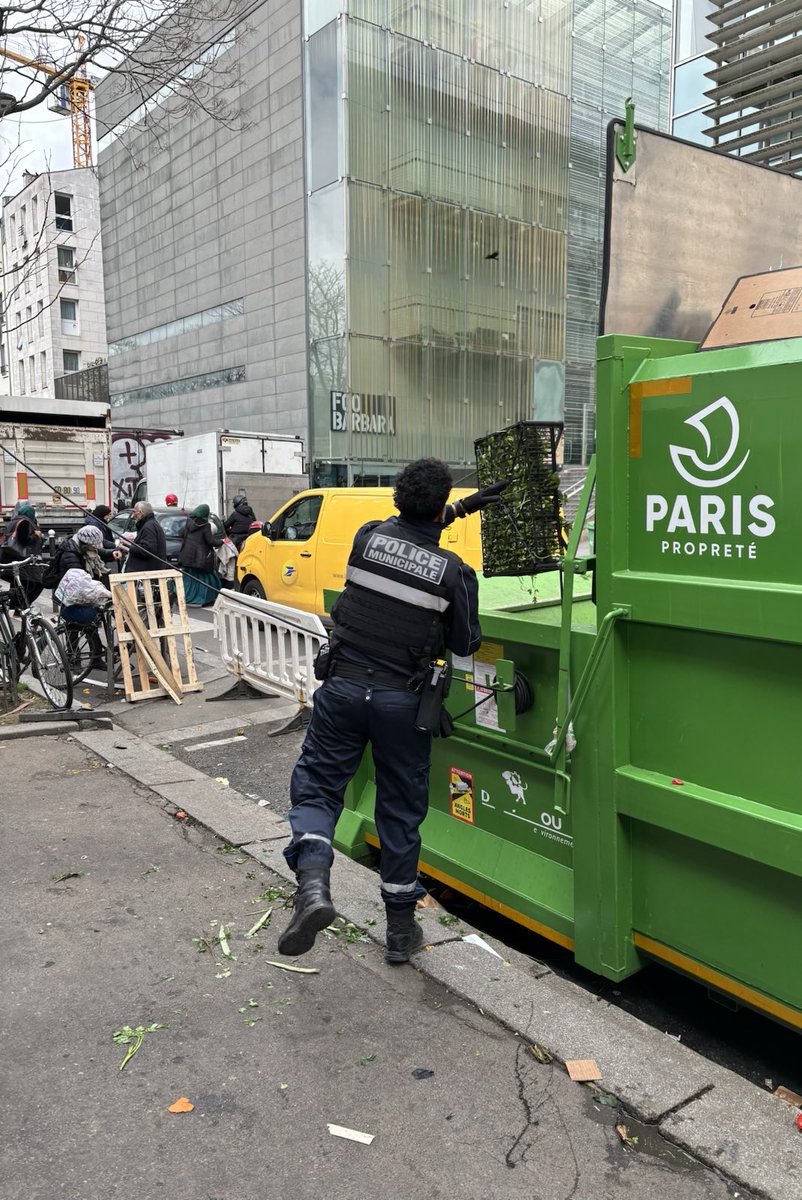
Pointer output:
x,y
397,595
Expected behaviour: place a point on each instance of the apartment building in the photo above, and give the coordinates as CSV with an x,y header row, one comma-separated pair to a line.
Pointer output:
x,y
53,303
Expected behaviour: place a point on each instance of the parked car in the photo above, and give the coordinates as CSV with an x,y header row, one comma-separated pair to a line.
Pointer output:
x,y
300,555
172,521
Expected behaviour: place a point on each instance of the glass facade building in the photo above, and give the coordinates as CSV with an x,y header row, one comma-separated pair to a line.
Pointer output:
x,y
690,107
737,79
454,178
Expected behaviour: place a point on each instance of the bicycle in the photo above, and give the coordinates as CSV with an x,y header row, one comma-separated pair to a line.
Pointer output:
x,y
85,649
36,644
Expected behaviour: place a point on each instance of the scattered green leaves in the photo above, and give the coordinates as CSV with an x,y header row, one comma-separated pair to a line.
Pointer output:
x,y
448,919
68,875
346,931
227,848
153,869
270,893
541,1054
369,1058
133,1038
263,920
222,938
295,970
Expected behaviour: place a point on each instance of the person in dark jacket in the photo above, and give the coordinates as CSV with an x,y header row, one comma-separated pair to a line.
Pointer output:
x,y
24,538
98,518
237,526
197,558
148,551
405,603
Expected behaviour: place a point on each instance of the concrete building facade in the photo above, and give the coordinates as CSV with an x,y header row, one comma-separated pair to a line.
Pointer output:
x,y
54,300
204,242
400,249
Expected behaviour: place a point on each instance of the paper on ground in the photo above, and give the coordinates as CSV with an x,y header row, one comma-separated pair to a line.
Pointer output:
x,y
475,940
353,1135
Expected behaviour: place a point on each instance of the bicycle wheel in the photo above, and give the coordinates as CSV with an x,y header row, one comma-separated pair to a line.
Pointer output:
x,y
9,674
50,666
83,648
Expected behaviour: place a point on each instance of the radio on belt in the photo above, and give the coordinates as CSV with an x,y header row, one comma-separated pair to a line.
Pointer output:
x,y
433,693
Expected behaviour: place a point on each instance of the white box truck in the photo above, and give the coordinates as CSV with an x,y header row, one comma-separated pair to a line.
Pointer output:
x,y
68,444
212,468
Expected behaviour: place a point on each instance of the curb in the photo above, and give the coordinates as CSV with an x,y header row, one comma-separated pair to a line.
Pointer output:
x,y
713,1114
9,733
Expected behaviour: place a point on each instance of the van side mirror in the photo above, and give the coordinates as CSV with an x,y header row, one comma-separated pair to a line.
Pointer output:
x,y
267,529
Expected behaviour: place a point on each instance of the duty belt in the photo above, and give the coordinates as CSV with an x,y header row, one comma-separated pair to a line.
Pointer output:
x,y
370,675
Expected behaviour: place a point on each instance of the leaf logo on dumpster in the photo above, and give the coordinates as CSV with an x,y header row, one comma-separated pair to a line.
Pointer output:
x,y
710,474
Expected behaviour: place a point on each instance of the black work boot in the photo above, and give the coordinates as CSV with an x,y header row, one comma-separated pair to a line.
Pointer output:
x,y
404,935
313,912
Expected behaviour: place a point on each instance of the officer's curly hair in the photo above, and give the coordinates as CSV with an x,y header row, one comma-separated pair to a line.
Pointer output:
x,y
422,489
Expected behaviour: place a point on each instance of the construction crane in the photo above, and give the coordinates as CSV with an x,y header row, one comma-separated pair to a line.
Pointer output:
x,y
71,100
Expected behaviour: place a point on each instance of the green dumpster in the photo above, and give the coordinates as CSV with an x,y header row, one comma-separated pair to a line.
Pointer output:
x,y
648,805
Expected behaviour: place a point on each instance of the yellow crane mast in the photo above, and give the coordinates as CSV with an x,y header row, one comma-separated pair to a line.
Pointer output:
x,y
71,99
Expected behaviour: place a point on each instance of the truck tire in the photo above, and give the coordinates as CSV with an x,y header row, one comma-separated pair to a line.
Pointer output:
x,y
252,587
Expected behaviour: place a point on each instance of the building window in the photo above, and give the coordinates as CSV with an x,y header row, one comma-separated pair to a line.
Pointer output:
x,y
69,317
66,264
177,387
13,226
63,212
32,372
160,333
29,322
43,370
72,361
22,376
35,216
40,317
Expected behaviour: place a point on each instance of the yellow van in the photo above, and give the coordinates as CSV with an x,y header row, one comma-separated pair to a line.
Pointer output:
x,y
309,540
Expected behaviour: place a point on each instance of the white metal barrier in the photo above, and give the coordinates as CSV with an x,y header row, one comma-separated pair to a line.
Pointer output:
x,y
268,645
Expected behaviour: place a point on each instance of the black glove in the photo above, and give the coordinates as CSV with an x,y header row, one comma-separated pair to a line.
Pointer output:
x,y
479,500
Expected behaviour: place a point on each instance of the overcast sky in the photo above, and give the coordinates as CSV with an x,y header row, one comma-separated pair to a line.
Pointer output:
x,y
45,144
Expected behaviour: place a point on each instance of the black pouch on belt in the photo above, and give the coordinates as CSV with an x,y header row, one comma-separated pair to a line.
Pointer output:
x,y
433,693
324,660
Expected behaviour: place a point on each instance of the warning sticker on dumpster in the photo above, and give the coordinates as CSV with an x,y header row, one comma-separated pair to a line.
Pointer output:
x,y
484,679
460,793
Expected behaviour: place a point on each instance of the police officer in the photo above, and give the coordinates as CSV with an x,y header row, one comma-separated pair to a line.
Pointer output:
x,y
405,602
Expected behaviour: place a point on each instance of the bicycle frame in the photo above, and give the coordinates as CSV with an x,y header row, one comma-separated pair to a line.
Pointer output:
x,y
24,644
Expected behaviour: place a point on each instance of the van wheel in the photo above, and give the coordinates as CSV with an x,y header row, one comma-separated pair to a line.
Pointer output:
x,y
252,587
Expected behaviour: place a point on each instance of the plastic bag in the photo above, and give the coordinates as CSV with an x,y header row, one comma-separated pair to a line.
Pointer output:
x,y
77,587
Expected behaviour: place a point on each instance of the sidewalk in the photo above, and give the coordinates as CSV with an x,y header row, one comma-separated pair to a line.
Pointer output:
x,y
115,944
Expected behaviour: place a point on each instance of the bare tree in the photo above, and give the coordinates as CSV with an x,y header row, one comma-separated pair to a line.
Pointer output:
x,y
148,45
157,58
326,298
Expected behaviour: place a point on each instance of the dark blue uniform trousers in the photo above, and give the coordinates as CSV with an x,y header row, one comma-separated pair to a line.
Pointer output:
x,y
347,715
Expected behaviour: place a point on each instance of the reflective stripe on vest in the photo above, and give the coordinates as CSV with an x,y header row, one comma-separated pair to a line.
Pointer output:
x,y
396,589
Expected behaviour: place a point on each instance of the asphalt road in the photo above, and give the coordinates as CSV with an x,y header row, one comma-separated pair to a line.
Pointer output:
x,y
116,923
745,1042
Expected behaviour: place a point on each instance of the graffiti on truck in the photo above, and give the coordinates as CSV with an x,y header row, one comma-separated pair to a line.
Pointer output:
x,y
128,461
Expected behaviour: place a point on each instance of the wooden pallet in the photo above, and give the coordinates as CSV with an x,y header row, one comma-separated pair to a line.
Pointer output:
x,y
141,637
